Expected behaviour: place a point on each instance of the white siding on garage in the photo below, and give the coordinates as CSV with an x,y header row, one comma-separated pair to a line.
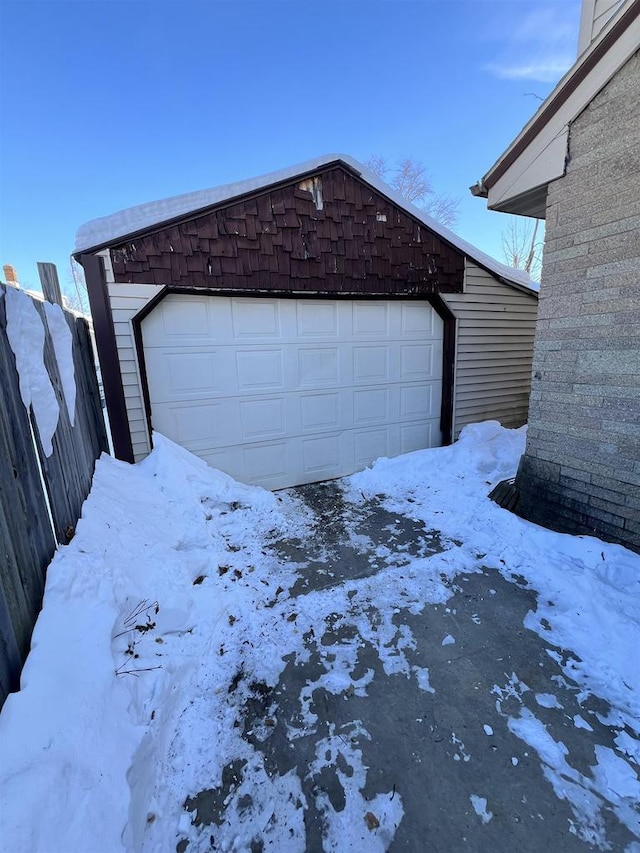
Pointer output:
x,y
494,350
126,300
280,392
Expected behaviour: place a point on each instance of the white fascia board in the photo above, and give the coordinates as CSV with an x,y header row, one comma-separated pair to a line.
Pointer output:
x,y
543,160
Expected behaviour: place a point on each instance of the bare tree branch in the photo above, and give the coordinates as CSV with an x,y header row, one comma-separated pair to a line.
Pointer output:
x,y
531,257
520,247
75,294
378,165
411,180
444,208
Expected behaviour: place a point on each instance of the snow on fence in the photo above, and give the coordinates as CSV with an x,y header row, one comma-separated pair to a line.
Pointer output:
x,y
51,433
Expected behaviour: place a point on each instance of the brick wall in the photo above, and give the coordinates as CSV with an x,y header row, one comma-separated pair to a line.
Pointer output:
x,y
581,469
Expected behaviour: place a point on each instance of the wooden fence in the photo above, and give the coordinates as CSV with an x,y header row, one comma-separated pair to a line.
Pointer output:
x,y
41,495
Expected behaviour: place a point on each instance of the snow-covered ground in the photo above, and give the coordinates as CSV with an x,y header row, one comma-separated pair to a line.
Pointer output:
x,y
168,594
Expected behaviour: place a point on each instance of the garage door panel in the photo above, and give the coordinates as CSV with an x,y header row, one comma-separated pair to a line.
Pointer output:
x,y
229,459
371,405
371,364
194,426
415,402
265,462
259,369
322,457
183,374
317,320
417,436
256,318
416,362
371,444
285,392
262,419
370,320
418,319
320,412
191,372
180,321
319,367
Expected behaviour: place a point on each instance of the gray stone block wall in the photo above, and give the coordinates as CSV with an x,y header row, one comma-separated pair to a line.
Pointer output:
x,y
581,469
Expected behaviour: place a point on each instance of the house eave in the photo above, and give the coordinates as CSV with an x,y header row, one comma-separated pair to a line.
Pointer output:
x,y
503,185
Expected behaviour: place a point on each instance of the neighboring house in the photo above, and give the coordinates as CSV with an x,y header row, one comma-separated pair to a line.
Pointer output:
x,y
577,163
295,327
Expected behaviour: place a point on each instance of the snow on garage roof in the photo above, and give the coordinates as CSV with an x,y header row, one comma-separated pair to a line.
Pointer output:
x,y
99,233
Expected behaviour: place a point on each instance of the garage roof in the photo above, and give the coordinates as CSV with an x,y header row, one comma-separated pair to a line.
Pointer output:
x,y
103,232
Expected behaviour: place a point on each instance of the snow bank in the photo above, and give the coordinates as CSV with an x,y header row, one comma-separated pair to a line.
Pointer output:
x,y
166,594
588,590
70,735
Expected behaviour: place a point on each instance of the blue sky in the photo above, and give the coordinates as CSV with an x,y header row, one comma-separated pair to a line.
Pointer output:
x,y
106,104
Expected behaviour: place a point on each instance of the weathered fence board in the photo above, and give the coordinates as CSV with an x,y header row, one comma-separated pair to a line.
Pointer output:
x,y
69,469
32,485
49,282
27,541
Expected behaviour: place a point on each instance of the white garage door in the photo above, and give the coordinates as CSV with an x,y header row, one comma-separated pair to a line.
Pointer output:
x,y
281,392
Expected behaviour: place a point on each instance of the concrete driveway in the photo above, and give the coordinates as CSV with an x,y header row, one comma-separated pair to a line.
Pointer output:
x,y
409,725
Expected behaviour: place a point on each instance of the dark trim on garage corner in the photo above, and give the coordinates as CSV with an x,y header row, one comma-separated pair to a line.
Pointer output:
x,y
95,277
448,365
136,324
435,300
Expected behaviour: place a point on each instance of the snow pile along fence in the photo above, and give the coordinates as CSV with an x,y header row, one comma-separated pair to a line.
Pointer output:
x,y
51,433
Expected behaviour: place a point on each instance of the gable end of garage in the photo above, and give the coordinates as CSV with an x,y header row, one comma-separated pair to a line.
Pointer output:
x,y
332,233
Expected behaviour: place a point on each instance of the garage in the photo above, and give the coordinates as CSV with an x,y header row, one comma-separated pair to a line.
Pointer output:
x,y
280,392
296,326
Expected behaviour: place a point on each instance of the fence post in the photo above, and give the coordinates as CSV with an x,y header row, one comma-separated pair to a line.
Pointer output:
x,y
50,283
